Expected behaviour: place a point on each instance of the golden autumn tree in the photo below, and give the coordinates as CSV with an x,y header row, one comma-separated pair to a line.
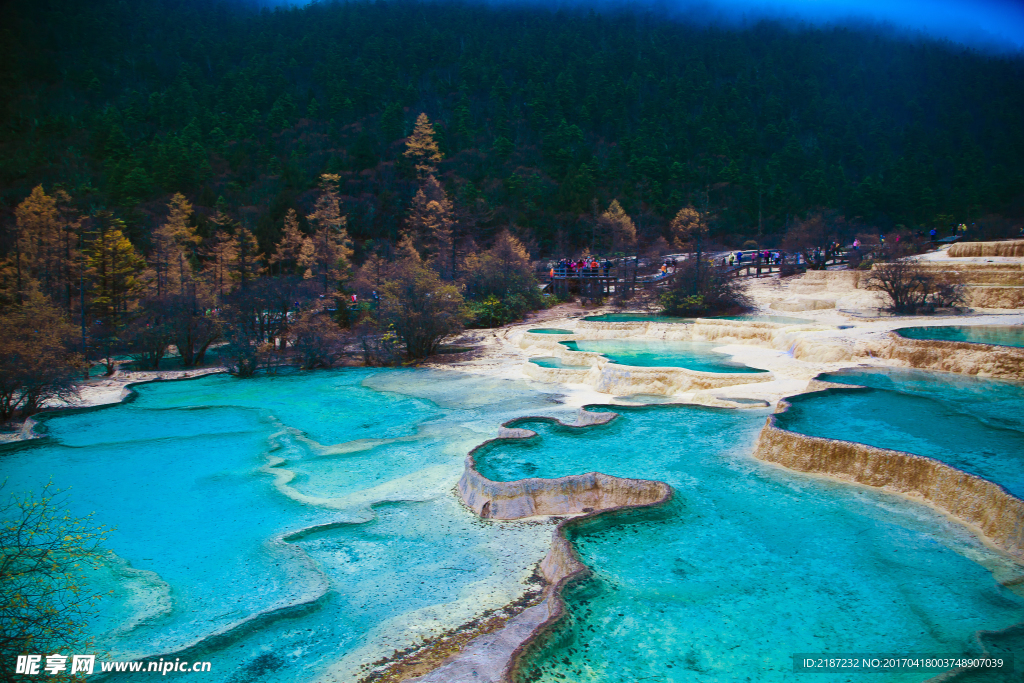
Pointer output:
x,y
46,244
173,243
36,234
332,248
685,227
503,270
616,224
294,253
430,223
244,262
37,363
114,269
219,251
422,149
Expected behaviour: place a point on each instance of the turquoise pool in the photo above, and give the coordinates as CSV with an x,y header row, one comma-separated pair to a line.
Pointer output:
x,y
308,517
650,353
999,335
299,527
749,563
550,330
554,362
636,318
976,425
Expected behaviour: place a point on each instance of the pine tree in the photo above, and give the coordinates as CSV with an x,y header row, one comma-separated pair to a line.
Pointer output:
x,y
422,149
332,247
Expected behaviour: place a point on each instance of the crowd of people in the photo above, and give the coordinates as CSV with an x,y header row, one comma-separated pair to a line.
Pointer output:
x,y
588,266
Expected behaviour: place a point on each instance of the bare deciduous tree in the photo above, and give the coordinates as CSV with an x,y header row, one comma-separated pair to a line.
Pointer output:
x,y
912,289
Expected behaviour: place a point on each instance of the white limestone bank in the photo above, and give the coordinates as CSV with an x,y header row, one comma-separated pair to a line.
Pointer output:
x,y
982,505
976,249
611,378
965,358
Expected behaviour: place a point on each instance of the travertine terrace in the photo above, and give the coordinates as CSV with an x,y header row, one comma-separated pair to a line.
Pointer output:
x,y
841,332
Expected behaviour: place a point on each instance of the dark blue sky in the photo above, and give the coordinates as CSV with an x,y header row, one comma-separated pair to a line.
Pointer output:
x,y
997,24
976,22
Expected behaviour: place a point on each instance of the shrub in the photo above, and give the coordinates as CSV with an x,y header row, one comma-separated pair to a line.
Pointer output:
x,y
702,289
912,289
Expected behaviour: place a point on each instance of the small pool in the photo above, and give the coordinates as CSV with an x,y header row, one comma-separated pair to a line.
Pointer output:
x,y
782,319
636,318
655,353
998,335
553,362
550,330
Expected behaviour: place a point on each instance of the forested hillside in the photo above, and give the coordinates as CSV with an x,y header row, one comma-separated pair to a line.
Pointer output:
x,y
540,117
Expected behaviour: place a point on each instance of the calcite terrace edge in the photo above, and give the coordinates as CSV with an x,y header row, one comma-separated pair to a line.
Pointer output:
x,y
981,505
495,657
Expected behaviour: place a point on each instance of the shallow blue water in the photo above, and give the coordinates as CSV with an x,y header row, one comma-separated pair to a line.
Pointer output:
x,y
184,475
748,564
999,335
751,560
976,425
651,353
550,330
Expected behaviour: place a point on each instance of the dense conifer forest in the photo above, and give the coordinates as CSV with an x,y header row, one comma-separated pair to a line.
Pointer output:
x,y
540,116
289,186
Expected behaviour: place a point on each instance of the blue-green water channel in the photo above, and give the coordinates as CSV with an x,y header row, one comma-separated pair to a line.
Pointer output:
x,y
999,335
654,353
550,330
309,517
976,425
749,563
